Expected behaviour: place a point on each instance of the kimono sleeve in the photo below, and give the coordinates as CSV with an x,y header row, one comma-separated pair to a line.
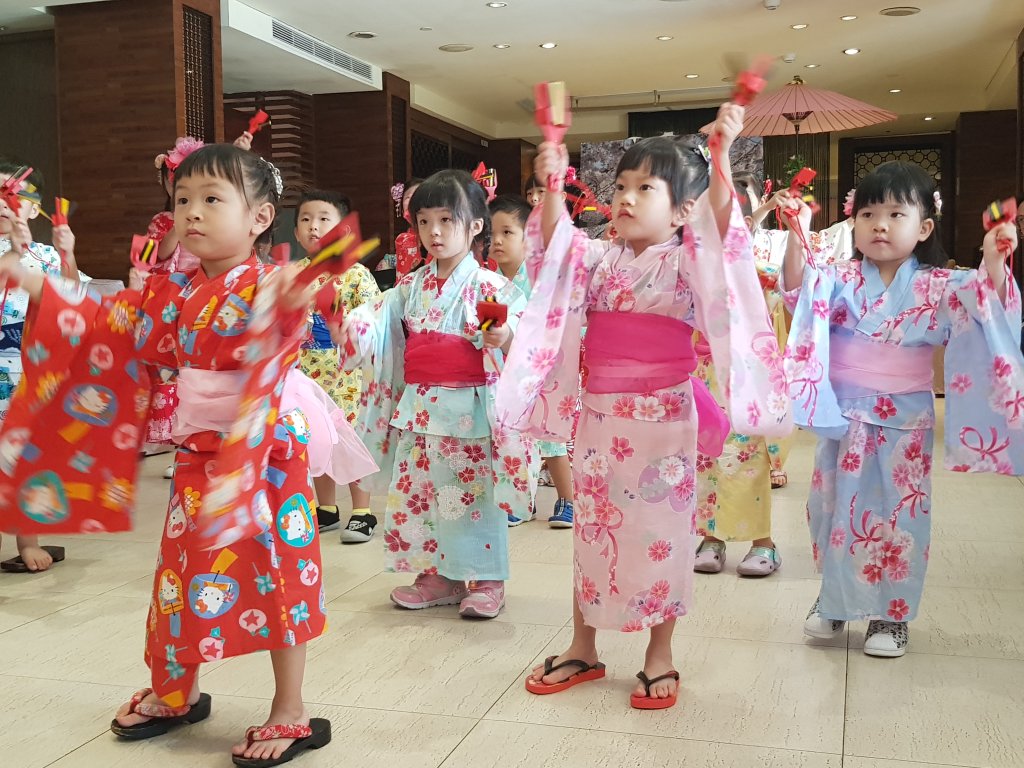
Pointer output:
x,y
984,376
542,370
743,344
84,392
374,339
359,287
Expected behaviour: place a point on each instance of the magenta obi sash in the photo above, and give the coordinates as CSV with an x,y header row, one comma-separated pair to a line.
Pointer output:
x,y
443,360
638,353
860,367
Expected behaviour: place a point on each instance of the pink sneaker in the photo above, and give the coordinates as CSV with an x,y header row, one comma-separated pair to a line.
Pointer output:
x,y
485,600
429,590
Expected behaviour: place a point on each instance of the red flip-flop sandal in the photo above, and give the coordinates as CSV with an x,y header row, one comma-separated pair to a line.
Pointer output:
x,y
313,736
645,701
162,717
587,673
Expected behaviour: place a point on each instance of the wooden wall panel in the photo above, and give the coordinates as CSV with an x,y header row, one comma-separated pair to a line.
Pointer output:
x,y
120,102
985,141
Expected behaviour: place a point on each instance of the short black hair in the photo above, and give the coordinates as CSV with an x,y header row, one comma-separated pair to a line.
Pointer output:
x,y
743,196
10,167
511,204
340,202
532,183
908,184
680,162
253,177
455,190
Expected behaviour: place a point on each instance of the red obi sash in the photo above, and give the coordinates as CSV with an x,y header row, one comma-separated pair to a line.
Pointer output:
x,y
638,353
443,360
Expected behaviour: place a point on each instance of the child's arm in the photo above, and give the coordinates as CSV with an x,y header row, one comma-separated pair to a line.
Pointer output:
x,y
795,258
778,200
64,242
720,193
552,161
994,257
14,275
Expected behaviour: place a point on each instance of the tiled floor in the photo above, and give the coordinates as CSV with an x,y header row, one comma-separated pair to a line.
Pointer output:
x,y
428,689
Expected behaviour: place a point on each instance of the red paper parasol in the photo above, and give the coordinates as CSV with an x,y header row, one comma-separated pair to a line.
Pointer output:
x,y
797,108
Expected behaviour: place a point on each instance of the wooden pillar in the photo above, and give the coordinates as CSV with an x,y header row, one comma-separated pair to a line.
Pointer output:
x,y
132,75
513,160
982,138
362,149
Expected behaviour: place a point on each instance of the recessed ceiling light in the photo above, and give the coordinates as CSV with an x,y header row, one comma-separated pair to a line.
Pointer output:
x,y
663,38
847,18
900,10
548,46
692,76
455,48
496,5
798,26
502,46
929,118
851,51
362,35
895,90
811,66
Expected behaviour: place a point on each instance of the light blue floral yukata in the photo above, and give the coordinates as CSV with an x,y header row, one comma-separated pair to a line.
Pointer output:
x,y
451,477
870,502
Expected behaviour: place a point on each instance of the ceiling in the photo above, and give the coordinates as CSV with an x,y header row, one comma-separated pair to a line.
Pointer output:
x,y
953,56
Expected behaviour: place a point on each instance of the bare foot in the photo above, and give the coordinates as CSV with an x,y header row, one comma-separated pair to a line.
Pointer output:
x,y
657,665
35,558
128,719
272,749
588,655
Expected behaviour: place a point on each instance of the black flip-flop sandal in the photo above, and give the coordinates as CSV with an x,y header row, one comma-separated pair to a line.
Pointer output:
x,y
159,725
17,565
314,736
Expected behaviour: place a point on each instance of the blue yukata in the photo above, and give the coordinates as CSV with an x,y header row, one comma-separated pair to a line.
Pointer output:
x,y
427,416
859,365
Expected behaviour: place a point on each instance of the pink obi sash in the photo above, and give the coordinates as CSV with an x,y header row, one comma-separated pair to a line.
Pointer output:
x,y
209,401
860,367
638,353
443,360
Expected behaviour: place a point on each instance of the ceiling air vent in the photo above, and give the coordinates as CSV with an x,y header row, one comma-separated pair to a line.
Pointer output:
x,y
325,53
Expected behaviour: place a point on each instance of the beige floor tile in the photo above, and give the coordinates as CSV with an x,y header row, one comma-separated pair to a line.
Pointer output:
x,y
756,694
360,737
874,762
93,566
43,720
401,661
939,709
769,609
16,611
97,640
537,593
976,565
965,622
518,745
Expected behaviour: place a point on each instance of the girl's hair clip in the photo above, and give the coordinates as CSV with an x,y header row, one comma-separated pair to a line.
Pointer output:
x,y
848,203
276,174
704,151
938,204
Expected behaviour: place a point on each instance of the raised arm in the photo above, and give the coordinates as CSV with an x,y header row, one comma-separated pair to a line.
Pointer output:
x,y
720,192
552,161
793,262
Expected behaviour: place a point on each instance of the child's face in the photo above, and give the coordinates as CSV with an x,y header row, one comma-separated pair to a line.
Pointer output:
x,y
508,239
535,196
25,212
642,209
442,236
314,219
214,222
888,232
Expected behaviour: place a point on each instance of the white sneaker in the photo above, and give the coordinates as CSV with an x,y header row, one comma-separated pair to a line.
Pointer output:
x,y
887,639
816,625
